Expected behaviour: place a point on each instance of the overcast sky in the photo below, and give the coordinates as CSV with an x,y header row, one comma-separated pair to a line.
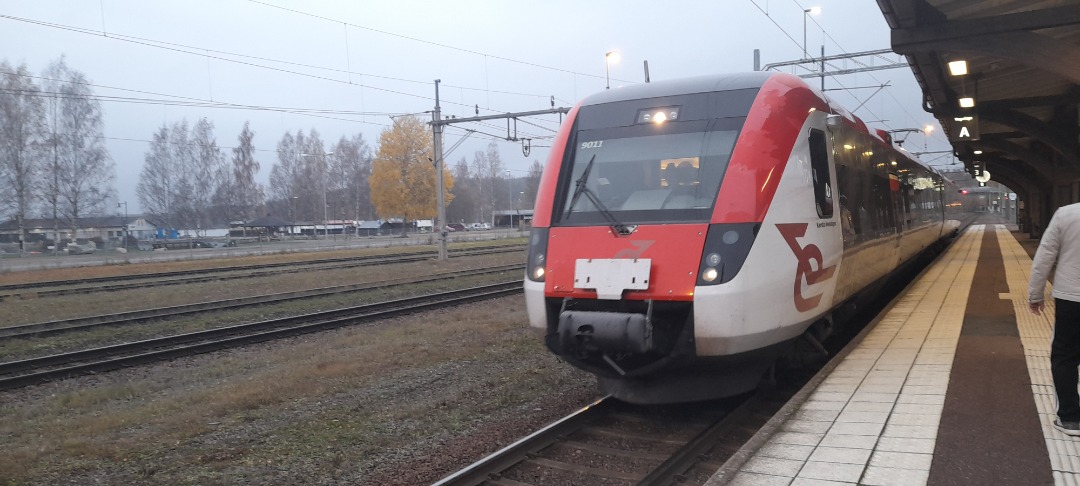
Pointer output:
x,y
369,60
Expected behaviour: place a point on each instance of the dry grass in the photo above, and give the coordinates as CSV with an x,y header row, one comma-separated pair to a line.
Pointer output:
x,y
351,399
24,311
66,307
398,402
15,349
121,268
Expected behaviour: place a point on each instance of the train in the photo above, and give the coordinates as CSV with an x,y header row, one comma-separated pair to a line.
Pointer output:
x,y
690,233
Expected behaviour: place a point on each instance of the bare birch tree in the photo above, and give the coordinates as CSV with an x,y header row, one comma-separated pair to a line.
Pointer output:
x,y
78,173
86,171
284,174
21,139
249,193
207,163
159,179
350,168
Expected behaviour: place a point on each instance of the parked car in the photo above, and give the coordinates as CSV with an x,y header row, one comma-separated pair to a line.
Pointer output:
x,y
479,226
77,249
181,244
455,227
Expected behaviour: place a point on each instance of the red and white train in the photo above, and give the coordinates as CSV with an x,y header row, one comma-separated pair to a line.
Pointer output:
x,y
688,233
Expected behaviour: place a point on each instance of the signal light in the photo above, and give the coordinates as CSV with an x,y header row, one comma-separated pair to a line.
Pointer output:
x,y
963,191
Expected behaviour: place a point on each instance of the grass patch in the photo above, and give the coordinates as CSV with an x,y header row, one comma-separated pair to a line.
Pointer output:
x,y
15,349
339,406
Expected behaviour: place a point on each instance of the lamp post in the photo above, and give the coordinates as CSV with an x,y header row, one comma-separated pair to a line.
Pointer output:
x,y
325,171
292,222
124,203
517,207
510,198
806,12
609,57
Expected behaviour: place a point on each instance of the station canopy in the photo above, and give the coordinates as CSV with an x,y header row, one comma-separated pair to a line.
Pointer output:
x,y
1001,76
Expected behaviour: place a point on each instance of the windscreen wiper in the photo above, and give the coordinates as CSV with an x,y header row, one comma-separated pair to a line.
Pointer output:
x,y
581,187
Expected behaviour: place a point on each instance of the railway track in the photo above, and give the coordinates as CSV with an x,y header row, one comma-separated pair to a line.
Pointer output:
x,y
614,443
51,328
55,288
16,374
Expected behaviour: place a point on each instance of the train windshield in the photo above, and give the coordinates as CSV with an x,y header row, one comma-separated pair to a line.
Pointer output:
x,y
624,176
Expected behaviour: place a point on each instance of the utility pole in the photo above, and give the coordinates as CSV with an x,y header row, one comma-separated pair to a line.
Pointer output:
x,y
437,124
437,129
510,197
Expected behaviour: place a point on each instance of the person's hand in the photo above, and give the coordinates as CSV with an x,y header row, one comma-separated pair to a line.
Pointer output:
x,y
1036,307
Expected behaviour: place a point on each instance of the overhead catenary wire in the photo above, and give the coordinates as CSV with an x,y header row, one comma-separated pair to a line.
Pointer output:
x,y
889,93
193,103
143,101
219,55
438,44
856,61
206,53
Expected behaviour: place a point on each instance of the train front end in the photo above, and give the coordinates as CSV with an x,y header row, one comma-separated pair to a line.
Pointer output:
x,y
659,260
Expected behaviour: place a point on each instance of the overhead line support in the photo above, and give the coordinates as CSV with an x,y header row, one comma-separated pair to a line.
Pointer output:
x,y
437,126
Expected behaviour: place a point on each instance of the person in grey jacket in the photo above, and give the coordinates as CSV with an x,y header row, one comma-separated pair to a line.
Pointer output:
x,y
1059,251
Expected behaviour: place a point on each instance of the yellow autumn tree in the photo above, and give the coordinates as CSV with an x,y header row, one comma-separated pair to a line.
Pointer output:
x,y
403,175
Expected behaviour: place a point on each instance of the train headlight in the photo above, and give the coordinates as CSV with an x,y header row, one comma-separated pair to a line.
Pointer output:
x,y
538,241
726,248
538,267
658,115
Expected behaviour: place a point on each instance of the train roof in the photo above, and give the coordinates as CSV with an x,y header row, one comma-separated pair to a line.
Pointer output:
x,y
728,82
682,86
711,83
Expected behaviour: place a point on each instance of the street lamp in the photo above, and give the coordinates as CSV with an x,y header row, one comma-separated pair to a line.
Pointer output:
x,y
609,57
292,221
325,172
809,11
510,197
125,221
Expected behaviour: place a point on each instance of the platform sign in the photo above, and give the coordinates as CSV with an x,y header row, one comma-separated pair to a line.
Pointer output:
x,y
964,128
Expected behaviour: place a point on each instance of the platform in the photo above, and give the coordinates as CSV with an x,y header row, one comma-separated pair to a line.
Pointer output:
x,y
951,385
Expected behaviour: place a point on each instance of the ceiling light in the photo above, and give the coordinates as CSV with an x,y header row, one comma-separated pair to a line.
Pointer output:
x,y
958,68
977,152
968,102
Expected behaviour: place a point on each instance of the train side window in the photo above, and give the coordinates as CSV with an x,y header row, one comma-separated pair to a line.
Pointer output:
x,y
819,165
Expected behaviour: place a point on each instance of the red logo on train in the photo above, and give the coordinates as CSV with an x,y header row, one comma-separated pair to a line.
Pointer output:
x,y
805,255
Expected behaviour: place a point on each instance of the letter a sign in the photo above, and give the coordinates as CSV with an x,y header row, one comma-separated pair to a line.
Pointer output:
x,y
965,128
